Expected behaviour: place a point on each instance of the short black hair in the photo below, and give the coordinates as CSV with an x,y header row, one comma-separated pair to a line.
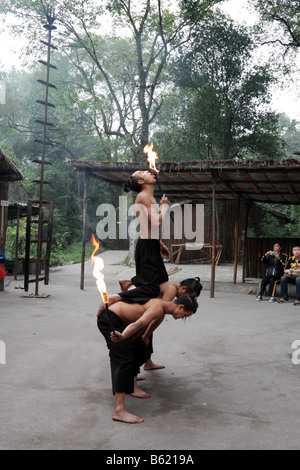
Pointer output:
x,y
132,184
193,286
278,243
190,303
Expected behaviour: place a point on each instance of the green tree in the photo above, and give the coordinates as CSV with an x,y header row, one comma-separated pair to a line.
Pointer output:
x,y
18,130
290,131
156,31
225,112
286,15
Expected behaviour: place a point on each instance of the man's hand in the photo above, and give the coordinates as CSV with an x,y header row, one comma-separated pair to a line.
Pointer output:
x,y
116,337
164,200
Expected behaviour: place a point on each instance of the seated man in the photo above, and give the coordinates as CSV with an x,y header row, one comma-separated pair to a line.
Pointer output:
x,y
291,275
128,344
276,261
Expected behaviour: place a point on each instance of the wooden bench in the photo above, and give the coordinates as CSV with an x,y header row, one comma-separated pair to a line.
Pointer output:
x,y
291,289
205,251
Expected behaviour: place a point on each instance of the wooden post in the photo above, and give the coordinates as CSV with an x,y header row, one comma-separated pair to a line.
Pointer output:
x,y
236,241
49,242
214,241
248,208
3,214
27,246
17,244
86,180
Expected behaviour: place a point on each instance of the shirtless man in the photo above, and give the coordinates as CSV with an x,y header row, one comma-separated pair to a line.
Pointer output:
x,y
128,345
150,268
168,291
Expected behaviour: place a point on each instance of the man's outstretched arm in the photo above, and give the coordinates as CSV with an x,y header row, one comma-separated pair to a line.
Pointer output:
x,y
153,313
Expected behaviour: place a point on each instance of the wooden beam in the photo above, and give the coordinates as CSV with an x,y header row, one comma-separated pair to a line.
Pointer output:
x,y
17,244
247,213
288,185
86,181
250,180
236,241
192,177
214,240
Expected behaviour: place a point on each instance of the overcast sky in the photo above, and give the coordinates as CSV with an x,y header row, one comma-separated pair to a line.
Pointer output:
x,y
285,100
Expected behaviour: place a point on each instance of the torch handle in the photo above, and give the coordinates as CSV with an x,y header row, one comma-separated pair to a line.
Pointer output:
x,y
161,193
159,186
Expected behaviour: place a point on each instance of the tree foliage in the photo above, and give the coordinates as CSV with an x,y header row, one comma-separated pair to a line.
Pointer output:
x,y
285,14
173,71
155,32
225,107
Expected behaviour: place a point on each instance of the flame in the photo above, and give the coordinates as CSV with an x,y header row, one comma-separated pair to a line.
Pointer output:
x,y
152,156
96,245
98,266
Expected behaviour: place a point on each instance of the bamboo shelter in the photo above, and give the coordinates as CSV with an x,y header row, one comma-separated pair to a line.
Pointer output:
x,y
248,181
8,173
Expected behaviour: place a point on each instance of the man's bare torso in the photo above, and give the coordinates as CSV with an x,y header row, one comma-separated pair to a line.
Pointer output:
x,y
143,205
130,313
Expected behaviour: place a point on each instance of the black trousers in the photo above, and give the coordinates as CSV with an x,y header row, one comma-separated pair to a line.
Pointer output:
x,y
125,358
272,282
150,272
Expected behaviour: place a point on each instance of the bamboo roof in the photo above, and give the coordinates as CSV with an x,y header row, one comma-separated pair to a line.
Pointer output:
x,y
8,170
263,181
18,209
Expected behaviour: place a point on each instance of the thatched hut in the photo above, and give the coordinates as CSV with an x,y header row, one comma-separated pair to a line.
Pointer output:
x,y
8,173
240,184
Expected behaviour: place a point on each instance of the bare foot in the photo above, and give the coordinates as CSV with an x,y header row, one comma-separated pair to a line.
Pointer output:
x,y
126,417
140,394
149,365
137,392
113,298
124,284
139,378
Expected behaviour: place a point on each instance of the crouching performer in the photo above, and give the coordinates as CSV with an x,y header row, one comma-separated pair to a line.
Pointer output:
x,y
129,344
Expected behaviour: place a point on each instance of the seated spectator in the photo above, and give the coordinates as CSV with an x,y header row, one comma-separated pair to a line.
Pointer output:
x,y
276,262
291,275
